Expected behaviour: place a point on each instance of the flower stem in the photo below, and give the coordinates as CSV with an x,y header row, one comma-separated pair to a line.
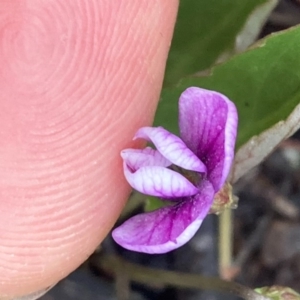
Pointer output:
x,y
225,242
150,276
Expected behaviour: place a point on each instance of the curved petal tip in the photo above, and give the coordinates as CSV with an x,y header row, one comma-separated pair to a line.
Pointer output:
x,y
159,181
172,148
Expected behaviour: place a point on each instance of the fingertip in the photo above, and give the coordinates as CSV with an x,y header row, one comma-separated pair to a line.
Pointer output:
x,y
78,78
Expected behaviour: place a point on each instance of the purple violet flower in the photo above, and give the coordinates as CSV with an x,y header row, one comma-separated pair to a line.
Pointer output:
x,y
187,171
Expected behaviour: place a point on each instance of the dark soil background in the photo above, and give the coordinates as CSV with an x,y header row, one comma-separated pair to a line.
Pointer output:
x,y
266,230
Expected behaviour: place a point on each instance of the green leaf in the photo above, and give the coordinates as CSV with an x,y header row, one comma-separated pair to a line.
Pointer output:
x,y
260,146
204,30
264,83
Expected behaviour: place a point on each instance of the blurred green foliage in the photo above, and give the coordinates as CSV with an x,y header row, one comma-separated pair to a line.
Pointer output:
x,y
204,30
264,83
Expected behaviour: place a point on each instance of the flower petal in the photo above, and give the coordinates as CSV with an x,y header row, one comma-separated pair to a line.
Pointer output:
x,y
137,158
159,181
172,148
167,228
208,126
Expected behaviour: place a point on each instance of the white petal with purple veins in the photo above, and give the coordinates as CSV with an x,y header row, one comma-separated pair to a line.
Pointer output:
x,y
137,158
159,181
172,148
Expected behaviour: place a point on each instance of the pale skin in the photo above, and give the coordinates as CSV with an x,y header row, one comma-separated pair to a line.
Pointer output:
x,y
77,79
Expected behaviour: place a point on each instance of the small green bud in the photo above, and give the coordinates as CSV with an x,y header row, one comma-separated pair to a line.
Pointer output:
x,y
277,292
224,199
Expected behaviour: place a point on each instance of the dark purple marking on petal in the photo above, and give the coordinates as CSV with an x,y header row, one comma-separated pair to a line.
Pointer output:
x,y
167,228
208,126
